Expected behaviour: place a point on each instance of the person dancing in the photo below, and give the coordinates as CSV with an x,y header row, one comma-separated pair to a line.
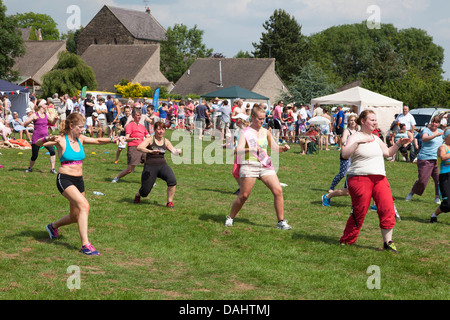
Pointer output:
x,y
444,177
69,180
256,164
40,120
155,148
343,165
366,178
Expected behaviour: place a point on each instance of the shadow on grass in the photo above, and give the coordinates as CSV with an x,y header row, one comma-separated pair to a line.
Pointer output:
x,y
327,240
221,219
144,201
42,237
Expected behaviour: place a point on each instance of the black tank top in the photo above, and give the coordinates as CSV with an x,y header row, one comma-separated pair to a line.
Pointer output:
x,y
156,159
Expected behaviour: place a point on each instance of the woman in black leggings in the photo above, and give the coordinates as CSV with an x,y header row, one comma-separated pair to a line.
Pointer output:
x,y
155,164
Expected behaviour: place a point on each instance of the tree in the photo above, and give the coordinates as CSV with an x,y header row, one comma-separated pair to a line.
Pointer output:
x,y
69,75
182,47
242,54
11,45
48,26
71,38
283,41
403,64
310,83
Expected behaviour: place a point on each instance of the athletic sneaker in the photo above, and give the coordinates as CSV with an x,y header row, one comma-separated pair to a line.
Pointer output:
x,y
29,170
229,222
373,207
115,180
170,205
325,201
437,200
390,246
137,199
409,197
283,224
116,162
433,220
53,171
53,233
89,250
237,191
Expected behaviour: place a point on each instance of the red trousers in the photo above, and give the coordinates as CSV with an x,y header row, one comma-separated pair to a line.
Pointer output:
x,y
362,189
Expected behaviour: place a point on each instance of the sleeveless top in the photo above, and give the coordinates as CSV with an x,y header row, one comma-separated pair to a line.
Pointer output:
x,y
40,128
367,159
70,157
444,166
158,158
340,155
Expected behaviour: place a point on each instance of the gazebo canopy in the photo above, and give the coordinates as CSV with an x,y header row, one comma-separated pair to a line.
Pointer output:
x,y
235,92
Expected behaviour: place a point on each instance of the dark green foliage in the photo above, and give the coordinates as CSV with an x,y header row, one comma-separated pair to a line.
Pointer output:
x,y
11,45
69,75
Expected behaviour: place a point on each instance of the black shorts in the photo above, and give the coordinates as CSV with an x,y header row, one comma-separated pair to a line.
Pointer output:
x,y
276,124
63,181
339,131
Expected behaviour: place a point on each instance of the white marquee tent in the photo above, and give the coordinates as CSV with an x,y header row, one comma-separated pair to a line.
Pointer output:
x,y
384,107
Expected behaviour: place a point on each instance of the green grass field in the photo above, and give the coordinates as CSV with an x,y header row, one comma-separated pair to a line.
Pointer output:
x,y
150,252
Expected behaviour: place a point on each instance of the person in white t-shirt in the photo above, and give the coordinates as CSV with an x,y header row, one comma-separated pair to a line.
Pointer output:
x,y
407,118
367,179
101,110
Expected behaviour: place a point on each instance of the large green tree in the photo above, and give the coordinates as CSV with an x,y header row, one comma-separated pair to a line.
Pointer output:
x,y
182,47
283,40
69,75
11,45
71,38
311,82
48,26
404,64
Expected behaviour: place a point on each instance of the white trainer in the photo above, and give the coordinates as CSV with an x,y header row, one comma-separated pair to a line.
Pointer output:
x,y
115,180
409,197
229,222
437,201
283,224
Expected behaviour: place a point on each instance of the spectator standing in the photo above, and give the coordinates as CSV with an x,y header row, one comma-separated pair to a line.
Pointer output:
x,y
427,165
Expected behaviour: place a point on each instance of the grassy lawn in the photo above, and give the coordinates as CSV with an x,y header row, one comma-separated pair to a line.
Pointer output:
x,y
150,252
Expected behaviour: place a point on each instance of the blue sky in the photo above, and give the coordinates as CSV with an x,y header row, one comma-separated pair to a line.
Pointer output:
x,y
232,25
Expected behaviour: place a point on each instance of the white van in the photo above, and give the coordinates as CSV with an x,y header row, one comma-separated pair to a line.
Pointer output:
x,y
423,116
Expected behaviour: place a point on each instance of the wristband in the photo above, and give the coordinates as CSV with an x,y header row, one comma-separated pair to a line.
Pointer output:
x,y
45,139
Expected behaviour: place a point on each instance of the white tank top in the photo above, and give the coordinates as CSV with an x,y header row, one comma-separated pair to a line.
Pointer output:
x,y
367,159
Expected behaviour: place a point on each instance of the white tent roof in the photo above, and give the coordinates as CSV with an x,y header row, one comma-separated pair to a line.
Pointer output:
x,y
359,97
384,107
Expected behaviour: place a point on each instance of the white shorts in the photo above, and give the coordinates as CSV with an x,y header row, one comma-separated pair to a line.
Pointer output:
x,y
253,169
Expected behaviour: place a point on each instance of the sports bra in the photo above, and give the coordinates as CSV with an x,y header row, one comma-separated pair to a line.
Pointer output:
x,y
71,157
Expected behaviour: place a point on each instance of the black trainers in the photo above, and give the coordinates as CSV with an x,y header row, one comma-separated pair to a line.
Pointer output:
x,y
433,220
137,199
237,191
29,170
390,246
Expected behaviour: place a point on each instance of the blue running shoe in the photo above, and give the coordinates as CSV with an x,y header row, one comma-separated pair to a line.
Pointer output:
x,y
373,208
52,232
325,201
89,250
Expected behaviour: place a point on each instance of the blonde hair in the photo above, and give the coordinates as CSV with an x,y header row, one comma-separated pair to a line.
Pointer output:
x,y
74,118
257,110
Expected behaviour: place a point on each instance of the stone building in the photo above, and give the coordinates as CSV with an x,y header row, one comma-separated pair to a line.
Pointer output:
x,y
40,58
136,63
117,26
210,74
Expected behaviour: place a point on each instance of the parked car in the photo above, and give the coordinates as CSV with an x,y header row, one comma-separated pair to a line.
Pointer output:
x,y
423,116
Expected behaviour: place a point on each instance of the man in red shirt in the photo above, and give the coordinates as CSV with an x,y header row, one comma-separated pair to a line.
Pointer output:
x,y
135,133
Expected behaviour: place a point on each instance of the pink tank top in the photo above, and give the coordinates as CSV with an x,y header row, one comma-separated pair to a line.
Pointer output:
x,y
40,128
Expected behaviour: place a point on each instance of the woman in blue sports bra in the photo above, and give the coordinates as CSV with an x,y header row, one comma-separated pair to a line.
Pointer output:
x,y
444,177
69,181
